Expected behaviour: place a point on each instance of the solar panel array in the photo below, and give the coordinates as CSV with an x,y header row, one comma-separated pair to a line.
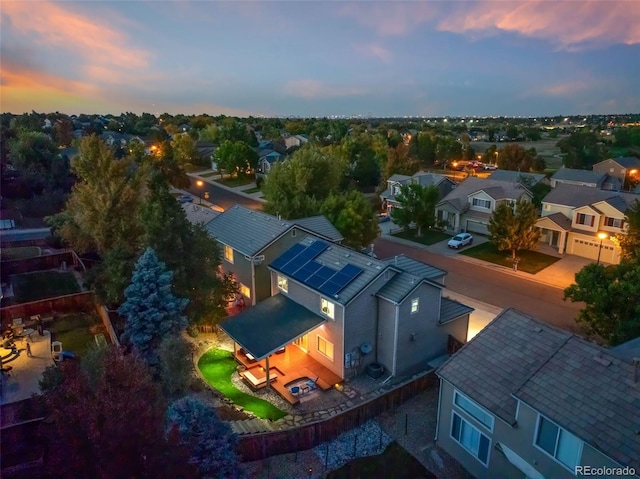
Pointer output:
x,y
299,263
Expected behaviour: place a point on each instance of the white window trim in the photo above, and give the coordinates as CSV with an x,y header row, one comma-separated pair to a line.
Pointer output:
x,y
333,347
331,307
471,453
283,283
226,257
493,419
560,428
475,202
416,302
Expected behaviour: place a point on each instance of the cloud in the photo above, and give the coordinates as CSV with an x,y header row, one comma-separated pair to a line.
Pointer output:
x,y
375,51
566,89
390,18
571,25
312,89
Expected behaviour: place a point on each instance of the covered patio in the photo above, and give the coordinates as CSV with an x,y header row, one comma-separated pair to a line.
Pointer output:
x,y
263,337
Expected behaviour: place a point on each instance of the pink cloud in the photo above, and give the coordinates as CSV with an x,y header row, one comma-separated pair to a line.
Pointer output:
x,y
311,89
374,50
390,18
566,89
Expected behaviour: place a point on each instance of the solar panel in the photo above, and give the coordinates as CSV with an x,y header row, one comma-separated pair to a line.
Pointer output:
x,y
340,280
313,250
320,276
293,265
287,256
331,287
307,270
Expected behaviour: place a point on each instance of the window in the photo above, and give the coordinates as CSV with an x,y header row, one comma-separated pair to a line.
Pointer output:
x,y
283,283
586,220
245,291
415,303
325,347
482,203
327,308
476,443
475,411
228,253
558,443
613,222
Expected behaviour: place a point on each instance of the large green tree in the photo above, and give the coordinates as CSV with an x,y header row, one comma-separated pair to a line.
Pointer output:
x,y
516,158
612,298
582,149
629,241
512,227
35,155
236,157
353,215
417,205
184,149
399,162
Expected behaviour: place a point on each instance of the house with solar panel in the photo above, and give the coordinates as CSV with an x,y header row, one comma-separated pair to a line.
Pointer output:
x,y
335,313
249,240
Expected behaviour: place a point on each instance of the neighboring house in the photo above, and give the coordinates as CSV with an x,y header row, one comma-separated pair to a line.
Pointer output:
x,y
119,140
207,150
295,141
347,310
527,179
249,240
573,216
197,214
267,159
525,400
444,184
619,168
470,205
570,176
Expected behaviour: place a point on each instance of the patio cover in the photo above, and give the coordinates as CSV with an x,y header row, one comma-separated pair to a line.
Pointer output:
x,y
270,325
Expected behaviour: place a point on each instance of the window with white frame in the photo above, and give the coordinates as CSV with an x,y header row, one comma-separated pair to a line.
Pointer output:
x,y
415,304
283,283
327,308
245,291
482,203
474,410
558,443
470,438
613,222
325,347
586,220
228,253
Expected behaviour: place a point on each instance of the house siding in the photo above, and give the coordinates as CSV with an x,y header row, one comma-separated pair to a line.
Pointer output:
x,y
458,328
386,333
611,168
241,269
451,215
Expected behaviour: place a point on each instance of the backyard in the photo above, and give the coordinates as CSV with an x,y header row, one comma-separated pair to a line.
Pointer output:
x,y
217,366
43,284
428,237
529,261
76,331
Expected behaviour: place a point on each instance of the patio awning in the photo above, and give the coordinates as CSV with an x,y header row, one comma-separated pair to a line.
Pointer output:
x,y
270,325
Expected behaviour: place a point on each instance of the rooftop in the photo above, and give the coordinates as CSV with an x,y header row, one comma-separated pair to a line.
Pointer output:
x,y
459,197
579,195
581,176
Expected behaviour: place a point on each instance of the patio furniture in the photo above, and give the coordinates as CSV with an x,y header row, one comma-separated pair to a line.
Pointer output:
x,y
27,334
256,383
295,390
56,350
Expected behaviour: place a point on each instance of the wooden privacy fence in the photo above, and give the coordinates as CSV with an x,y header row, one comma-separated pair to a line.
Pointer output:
x,y
261,446
108,325
40,263
48,307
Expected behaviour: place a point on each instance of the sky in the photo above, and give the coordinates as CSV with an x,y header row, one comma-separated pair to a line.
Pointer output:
x,y
305,58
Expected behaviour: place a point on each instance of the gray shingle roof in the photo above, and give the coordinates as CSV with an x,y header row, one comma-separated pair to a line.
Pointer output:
x,y
559,219
416,268
517,176
248,231
627,161
578,195
398,287
197,214
459,197
495,363
451,309
582,176
320,225
589,392
628,350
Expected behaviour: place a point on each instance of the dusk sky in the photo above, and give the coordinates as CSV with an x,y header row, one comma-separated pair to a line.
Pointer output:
x,y
478,58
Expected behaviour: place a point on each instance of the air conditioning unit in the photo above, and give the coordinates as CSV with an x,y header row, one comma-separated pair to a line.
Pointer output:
x,y
258,260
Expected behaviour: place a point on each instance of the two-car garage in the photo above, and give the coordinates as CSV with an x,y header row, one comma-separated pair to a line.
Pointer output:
x,y
590,247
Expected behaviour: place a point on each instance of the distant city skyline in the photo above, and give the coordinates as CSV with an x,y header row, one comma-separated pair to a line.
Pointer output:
x,y
381,59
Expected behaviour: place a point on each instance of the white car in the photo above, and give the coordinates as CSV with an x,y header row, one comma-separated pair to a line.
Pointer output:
x,y
460,240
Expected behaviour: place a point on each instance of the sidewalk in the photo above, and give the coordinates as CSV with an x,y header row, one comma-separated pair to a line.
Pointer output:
x,y
239,190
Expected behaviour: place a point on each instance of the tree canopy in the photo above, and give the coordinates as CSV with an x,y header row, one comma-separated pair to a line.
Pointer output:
x,y
516,158
353,215
236,157
512,227
629,241
417,205
582,149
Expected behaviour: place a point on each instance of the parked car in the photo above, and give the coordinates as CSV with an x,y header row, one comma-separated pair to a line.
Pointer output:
x,y
490,167
383,218
185,199
460,240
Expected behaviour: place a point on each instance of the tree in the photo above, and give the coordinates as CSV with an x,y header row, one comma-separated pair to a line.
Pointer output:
x,y
399,162
112,425
151,310
185,152
176,364
417,205
353,215
612,300
296,188
210,440
516,158
512,227
236,157
629,241
423,147
582,149
35,155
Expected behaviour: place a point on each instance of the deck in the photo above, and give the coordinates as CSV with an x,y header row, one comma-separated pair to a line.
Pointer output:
x,y
290,365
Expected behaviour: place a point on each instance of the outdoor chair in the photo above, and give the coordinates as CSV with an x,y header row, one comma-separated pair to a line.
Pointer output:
x,y
56,350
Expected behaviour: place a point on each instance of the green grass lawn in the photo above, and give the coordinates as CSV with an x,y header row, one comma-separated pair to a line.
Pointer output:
x,y
530,261
251,190
20,252
233,182
43,284
394,462
428,237
217,366
209,174
76,331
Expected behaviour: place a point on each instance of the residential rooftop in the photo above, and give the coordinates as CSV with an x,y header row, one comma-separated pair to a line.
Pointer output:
x,y
579,176
579,195
459,197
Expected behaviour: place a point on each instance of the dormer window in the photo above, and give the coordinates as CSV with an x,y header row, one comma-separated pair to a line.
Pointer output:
x,y
327,308
480,203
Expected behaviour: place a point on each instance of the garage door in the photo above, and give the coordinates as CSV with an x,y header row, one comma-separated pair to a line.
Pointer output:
x,y
476,227
589,249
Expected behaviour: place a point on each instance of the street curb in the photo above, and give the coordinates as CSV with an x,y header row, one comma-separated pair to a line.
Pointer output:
x,y
225,187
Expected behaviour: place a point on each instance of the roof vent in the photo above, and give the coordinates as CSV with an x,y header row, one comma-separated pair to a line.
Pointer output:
x,y
537,329
378,267
369,263
346,255
601,360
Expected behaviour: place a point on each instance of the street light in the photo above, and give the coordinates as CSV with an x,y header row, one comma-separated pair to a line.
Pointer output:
x,y
602,236
455,170
200,184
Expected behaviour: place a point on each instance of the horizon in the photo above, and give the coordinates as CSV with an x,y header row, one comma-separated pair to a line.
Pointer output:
x,y
480,59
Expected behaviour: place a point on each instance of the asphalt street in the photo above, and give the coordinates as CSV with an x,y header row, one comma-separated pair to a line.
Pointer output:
x,y
221,196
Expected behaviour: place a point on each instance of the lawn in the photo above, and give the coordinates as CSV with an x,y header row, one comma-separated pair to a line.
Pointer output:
x,y
208,174
428,237
395,461
217,366
43,284
251,190
20,252
234,181
530,261
76,331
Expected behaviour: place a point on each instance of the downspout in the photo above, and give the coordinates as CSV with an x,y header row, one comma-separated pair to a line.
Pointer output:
x,y
438,416
395,340
253,281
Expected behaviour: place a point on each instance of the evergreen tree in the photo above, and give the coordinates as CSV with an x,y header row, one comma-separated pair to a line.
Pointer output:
x,y
151,310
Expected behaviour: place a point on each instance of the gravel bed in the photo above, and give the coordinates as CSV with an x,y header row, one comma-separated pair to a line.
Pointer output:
x,y
265,393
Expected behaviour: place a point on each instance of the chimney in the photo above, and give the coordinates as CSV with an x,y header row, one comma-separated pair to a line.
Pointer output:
x,y
636,362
